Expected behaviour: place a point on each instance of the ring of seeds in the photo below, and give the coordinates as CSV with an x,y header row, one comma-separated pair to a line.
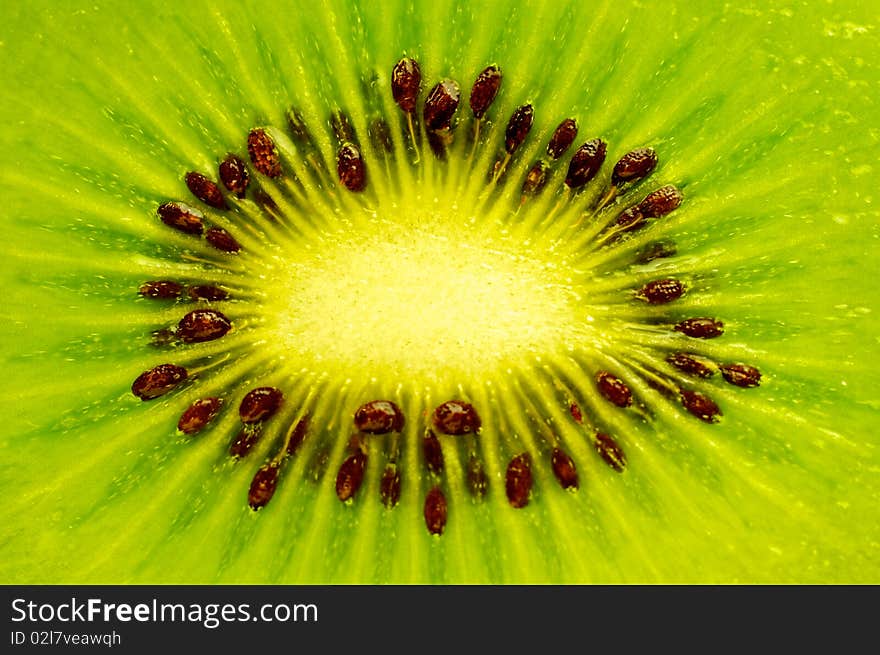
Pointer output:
x,y
272,179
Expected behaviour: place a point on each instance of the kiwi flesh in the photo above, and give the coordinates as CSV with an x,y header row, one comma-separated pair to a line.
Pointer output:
x,y
570,448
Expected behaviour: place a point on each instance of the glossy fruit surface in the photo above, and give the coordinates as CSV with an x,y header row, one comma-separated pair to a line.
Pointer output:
x,y
766,117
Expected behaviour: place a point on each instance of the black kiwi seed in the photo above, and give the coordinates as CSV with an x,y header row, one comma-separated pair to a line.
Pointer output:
x,y
158,381
203,325
207,292
350,168
433,452
198,415
351,475
484,90
298,435
406,80
259,404
658,292
690,365
518,128
205,190
614,389
456,417
160,289
585,163
564,469
436,511
389,486
700,405
181,217
263,153
222,240
245,441
441,104
379,417
234,175
741,375
536,178
263,486
700,328
634,165
660,202
518,480
610,451
564,135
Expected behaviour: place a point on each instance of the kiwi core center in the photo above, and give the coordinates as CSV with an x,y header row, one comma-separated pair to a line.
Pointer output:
x,y
429,294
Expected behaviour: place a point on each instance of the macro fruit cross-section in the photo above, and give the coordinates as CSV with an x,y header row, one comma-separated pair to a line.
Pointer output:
x,y
426,292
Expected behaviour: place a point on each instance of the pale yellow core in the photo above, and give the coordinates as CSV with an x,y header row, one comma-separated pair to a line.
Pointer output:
x,y
425,294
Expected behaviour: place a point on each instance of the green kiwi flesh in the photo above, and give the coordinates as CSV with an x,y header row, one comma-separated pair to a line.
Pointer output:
x,y
766,121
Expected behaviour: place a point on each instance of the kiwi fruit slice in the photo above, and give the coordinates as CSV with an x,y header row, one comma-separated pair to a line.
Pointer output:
x,y
432,292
